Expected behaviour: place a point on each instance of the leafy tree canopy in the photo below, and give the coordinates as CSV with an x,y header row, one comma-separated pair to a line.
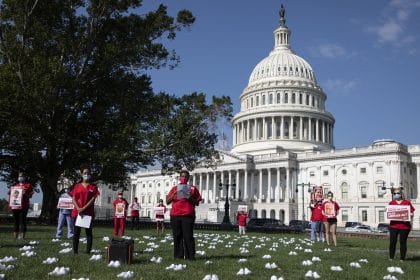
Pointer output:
x,y
74,89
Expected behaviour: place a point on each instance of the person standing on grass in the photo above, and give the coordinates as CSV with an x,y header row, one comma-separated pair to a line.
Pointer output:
x,y
84,195
64,214
241,217
316,215
160,225
135,214
330,210
184,199
19,196
120,214
401,228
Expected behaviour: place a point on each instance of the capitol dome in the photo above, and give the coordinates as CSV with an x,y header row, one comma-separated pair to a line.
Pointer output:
x,y
282,107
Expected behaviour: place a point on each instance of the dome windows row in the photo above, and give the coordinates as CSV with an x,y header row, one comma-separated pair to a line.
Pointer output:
x,y
262,99
292,71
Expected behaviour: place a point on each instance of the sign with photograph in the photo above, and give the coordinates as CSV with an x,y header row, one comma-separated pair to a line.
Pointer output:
x,y
65,203
159,211
329,210
398,212
15,198
120,210
243,208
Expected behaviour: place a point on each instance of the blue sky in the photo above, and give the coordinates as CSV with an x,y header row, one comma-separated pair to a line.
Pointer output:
x,y
365,54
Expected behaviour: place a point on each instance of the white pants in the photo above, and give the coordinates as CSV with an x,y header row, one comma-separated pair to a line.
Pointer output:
x,y
242,229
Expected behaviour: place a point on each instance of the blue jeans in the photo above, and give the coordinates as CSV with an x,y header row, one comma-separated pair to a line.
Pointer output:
x,y
64,217
317,227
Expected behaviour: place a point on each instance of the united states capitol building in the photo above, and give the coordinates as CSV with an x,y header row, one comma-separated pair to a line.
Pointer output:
x,y
283,140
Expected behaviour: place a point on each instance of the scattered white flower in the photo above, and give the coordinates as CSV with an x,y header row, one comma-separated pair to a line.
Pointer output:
x,y
50,260
95,257
26,248
308,251
126,274
34,242
316,259
29,254
176,267
336,268
390,277
270,266
307,263
327,250
81,278
274,277
59,271
114,264
242,260
55,240
105,238
363,260
6,267
65,250
65,244
266,257
243,271
355,264
312,274
208,262
95,251
201,253
8,259
292,253
395,269
211,277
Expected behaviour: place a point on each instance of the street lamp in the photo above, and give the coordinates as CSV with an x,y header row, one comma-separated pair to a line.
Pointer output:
x,y
226,219
303,196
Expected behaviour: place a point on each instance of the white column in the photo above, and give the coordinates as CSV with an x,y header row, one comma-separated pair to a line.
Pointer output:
x,y
201,184
281,127
273,128
323,131
234,135
309,129
230,183
214,186
222,180
247,130
245,184
264,129
291,128
287,189
208,187
269,185
237,185
301,129
260,186
317,130
277,194
255,136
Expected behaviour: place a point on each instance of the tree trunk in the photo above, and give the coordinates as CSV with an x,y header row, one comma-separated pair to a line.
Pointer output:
x,y
49,212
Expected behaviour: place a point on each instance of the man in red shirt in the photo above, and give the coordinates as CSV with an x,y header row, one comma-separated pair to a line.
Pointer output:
x,y
84,195
120,214
19,196
241,217
184,199
135,213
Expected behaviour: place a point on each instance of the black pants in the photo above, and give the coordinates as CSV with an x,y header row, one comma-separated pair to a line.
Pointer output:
x,y
20,219
393,235
182,230
134,221
76,237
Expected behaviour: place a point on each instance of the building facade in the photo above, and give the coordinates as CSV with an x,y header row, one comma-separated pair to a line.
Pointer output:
x,y
283,144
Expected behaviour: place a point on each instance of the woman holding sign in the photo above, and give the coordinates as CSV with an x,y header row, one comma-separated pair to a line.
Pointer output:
x,y
397,212
184,198
120,214
330,211
19,196
84,195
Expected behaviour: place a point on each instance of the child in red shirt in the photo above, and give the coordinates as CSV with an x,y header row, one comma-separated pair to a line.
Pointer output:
x,y
120,214
160,225
241,218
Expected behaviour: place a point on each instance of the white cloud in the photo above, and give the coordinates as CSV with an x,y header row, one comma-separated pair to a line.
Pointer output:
x,y
339,87
329,50
389,32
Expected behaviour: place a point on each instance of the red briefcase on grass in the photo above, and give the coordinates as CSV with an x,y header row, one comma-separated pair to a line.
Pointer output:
x,y
121,250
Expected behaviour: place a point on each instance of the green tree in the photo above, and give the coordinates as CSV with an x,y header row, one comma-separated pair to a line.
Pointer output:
x,y
74,88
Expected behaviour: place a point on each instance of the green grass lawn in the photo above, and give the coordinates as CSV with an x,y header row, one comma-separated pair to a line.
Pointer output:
x,y
224,260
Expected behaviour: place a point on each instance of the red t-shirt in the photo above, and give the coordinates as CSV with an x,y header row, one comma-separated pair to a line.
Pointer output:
x,y
184,207
401,224
164,211
83,195
242,219
135,208
336,208
316,213
124,203
28,192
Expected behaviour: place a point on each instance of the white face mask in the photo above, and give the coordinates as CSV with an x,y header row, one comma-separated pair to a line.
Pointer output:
x,y
86,177
120,196
21,179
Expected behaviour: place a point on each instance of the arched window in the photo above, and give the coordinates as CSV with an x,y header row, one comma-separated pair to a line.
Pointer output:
x,y
278,97
363,188
293,98
379,185
272,214
286,98
286,129
270,99
257,101
344,190
252,102
263,100
263,214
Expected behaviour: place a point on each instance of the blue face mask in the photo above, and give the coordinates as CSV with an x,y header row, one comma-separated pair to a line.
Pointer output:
x,y
397,196
21,179
86,177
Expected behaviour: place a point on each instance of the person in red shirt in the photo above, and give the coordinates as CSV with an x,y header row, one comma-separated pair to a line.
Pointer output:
x,y
316,215
241,217
19,196
184,199
160,225
401,228
84,195
330,211
120,214
135,214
